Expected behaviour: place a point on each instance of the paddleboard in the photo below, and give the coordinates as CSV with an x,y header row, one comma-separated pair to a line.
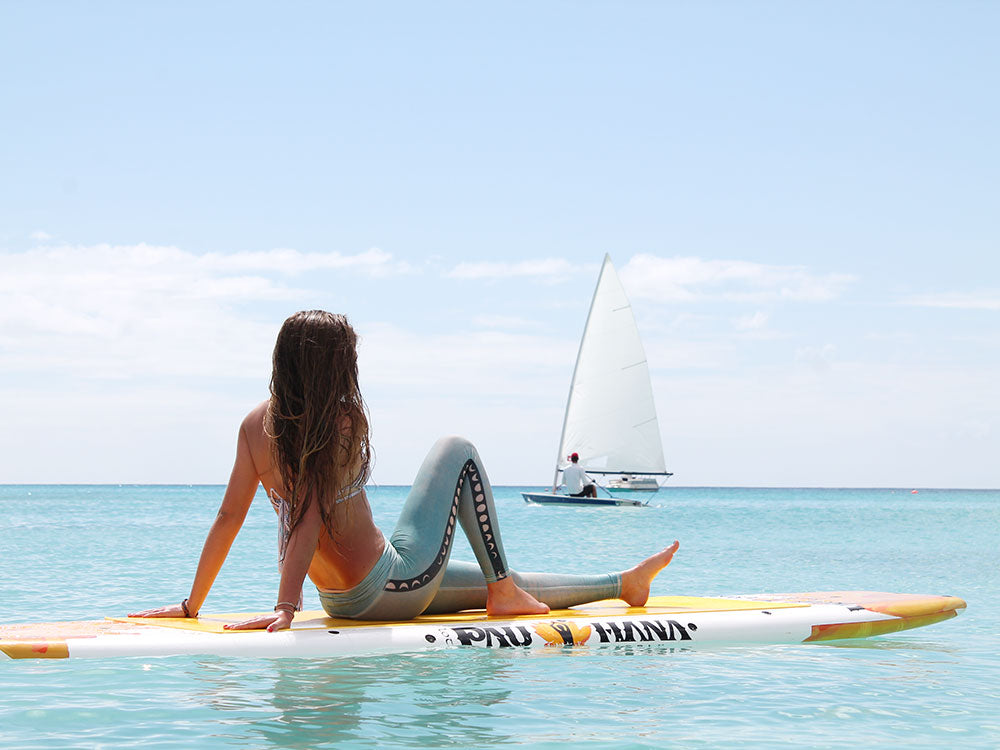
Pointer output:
x,y
680,621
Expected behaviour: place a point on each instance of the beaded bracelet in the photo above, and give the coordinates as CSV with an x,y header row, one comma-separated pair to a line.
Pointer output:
x,y
187,612
285,607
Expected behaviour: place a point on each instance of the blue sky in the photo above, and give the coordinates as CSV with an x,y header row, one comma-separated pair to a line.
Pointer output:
x,y
801,200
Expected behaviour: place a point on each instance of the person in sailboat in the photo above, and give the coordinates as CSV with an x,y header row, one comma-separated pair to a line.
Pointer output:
x,y
578,482
308,446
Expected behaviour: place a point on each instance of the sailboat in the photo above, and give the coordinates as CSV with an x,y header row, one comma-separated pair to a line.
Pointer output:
x,y
610,418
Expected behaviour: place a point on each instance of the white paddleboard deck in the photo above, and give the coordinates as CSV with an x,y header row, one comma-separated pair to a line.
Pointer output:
x,y
678,620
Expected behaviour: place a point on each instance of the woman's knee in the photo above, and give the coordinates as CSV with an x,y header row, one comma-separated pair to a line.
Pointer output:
x,y
456,445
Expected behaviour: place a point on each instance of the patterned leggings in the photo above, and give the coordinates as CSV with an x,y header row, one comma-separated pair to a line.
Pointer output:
x,y
414,575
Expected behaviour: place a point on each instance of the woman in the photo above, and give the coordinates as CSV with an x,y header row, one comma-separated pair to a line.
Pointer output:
x,y
308,445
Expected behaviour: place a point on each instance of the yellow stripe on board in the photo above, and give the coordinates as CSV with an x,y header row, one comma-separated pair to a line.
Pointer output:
x,y
317,620
845,630
35,649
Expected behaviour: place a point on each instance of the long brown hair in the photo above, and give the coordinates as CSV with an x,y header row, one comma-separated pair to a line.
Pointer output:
x,y
317,419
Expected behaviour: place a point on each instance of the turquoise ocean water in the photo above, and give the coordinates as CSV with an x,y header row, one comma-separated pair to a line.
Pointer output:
x,y
82,552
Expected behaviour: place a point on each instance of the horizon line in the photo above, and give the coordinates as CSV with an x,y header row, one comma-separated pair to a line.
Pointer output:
x,y
528,486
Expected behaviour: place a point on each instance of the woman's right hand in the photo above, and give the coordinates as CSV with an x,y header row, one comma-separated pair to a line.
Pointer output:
x,y
173,610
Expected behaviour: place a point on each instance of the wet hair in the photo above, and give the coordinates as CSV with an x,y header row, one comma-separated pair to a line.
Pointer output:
x,y
317,420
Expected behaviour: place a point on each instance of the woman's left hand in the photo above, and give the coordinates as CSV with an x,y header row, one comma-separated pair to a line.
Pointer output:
x,y
171,610
280,620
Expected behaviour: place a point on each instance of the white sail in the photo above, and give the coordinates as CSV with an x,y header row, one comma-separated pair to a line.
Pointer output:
x,y
610,415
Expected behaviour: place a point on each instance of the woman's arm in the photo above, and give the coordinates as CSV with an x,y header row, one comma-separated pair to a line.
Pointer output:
x,y
235,503
302,544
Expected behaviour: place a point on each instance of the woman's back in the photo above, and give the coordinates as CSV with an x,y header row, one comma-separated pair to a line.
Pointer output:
x,y
344,558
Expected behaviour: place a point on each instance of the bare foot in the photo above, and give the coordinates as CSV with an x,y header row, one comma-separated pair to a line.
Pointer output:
x,y
507,598
636,581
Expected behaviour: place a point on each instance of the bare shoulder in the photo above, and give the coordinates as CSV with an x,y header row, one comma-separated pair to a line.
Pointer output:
x,y
254,421
253,425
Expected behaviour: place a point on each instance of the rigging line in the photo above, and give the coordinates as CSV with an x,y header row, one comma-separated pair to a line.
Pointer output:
x,y
616,309
651,419
635,364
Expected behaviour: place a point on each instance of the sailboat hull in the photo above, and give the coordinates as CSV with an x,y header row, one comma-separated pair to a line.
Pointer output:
x,y
547,498
633,483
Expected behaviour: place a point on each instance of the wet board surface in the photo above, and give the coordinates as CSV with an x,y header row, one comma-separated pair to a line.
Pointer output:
x,y
683,621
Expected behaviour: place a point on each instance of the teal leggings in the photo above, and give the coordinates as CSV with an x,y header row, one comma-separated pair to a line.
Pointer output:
x,y
414,575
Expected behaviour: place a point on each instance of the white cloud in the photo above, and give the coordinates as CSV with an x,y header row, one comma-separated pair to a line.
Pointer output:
x,y
688,279
679,279
40,236
545,270
481,362
957,300
153,353
374,262
818,358
118,310
751,322
143,344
